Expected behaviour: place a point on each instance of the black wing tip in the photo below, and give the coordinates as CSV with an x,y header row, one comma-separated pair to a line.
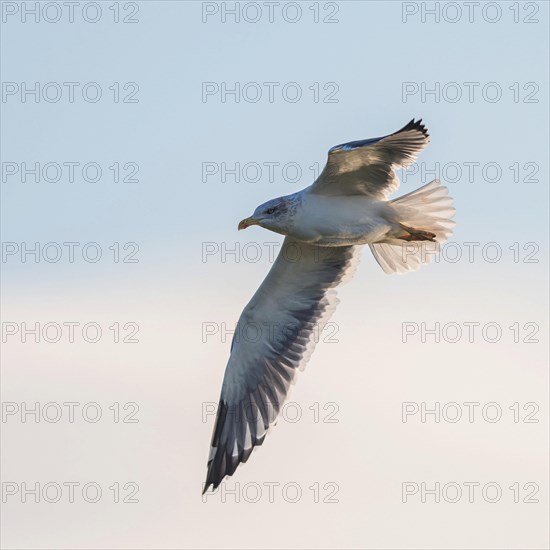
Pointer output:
x,y
213,478
217,468
220,469
209,483
412,125
415,125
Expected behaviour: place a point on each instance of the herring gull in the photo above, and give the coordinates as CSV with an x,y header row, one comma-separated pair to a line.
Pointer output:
x,y
324,225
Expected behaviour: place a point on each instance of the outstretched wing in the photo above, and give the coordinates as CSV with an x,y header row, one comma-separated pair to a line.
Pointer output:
x,y
273,338
368,167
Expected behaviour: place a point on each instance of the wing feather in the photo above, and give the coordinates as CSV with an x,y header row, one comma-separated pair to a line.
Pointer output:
x,y
292,300
367,167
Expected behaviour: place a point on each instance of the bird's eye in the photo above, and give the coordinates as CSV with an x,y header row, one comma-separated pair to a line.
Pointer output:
x,y
270,211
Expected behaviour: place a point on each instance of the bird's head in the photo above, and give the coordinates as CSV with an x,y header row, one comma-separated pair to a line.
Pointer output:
x,y
275,215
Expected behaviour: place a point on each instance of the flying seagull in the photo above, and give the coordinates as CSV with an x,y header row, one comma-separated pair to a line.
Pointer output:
x,y
324,226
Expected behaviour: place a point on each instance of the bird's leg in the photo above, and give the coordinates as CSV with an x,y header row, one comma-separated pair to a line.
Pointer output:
x,y
416,234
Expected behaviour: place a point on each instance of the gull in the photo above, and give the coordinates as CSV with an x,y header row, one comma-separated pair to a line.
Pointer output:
x,y
324,226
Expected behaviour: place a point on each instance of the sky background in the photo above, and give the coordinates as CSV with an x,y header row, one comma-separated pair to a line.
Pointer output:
x,y
181,223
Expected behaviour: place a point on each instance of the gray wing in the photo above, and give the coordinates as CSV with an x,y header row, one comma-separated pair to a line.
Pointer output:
x,y
368,167
273,338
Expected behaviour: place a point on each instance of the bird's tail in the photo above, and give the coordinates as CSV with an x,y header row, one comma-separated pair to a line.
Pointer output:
x,y
425,219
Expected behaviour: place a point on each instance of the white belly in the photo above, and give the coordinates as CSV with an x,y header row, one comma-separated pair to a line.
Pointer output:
x,y
338,221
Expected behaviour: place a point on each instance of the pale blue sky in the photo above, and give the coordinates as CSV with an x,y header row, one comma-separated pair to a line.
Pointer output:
x,y
171,292
170,132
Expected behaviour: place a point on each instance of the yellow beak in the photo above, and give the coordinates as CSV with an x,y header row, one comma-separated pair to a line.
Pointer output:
x,y
247,222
